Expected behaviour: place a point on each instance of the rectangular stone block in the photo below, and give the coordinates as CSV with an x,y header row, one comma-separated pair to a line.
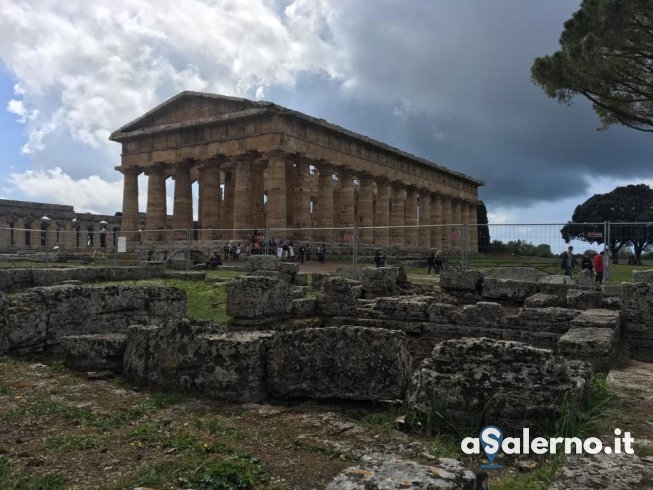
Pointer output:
x,y
552,319
508,289
102,352
582,299
594,344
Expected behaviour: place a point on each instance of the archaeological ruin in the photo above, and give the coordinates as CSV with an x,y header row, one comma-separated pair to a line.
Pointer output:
x,y
260,166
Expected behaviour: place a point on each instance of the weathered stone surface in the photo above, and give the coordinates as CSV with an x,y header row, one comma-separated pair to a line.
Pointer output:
x,y
551,319
585,279
402,308
444,313
317,278
508,289
611,303
470,280
614,471
99,352
290,268
611,290
510,384
600,318
383,281
378,471
304,307
637,318
483,314
39,317
337,297
355,363
258,299
556,279
594,344
182,356
541,300
528,274
262,263
584,299
643,276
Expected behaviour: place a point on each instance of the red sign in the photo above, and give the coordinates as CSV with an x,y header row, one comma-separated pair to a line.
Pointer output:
x,y
455,234
594,234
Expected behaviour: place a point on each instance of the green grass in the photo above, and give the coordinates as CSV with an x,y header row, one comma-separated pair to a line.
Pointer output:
x,y
11,479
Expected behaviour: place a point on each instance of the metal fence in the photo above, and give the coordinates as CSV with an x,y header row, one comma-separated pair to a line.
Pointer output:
x,y
462,245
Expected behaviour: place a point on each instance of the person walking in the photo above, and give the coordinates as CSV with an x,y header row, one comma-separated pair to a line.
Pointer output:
x,y
430,262
599,267
568,262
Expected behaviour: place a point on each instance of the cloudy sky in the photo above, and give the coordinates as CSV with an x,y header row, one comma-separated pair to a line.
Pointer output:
x,y
447,80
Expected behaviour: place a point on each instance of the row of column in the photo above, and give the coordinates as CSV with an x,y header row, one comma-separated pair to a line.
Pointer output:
x,y
37,234
275,193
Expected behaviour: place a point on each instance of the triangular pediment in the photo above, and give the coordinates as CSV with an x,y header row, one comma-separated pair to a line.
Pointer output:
x,y
187,107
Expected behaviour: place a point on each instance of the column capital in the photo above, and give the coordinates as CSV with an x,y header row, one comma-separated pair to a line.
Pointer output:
x,y
131,170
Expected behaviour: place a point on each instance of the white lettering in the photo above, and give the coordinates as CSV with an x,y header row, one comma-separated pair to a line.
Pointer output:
x,y
627,440
539,445
476,446
554,441
510,445
592,445
578,444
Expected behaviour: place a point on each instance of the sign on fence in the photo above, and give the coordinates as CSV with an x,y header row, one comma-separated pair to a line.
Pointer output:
x,y
594,234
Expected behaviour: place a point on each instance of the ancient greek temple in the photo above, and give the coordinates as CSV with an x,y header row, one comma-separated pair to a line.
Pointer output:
x,y
262,166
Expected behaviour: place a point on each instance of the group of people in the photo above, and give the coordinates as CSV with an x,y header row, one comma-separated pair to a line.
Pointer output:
x,y
595,264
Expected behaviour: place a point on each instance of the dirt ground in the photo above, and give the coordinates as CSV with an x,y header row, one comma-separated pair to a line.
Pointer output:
x,y
61,429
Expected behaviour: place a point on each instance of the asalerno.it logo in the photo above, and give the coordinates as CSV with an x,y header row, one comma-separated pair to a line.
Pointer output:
x,y
491,441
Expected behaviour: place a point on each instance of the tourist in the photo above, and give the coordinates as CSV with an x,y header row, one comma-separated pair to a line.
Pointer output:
x,y
308,252
431,264
213,262
599,267
302,254
568,262
586,263
321,253
379,259
439,262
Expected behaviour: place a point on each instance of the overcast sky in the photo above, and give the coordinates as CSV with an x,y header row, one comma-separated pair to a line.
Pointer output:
x,y
447,80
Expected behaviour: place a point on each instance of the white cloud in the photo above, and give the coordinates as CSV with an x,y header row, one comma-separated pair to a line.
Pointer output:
x,y
91,194
90,67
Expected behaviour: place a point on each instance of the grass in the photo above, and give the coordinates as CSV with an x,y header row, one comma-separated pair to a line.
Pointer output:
x,y
12,478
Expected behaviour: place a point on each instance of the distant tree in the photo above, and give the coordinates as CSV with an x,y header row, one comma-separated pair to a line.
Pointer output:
x,y
624,206
497,247
482,228
606,56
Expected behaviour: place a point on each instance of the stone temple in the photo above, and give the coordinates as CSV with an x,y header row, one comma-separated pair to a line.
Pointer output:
x,y
262,166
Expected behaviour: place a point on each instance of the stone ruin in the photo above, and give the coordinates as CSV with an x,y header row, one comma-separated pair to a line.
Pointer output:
x,y
506,348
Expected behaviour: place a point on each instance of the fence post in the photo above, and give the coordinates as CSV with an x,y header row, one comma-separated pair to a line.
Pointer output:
x,y
606,252
188,235
266,239
464,237
355,251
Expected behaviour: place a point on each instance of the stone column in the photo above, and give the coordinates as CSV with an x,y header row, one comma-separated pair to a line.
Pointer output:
x,y
302,201
275,186
155,213
5,233
209,200
436,219
366,208
228,202
324,211
258,193
20,233
397,214
382,213
345,216
456,218
464,218
424,219
69,235
182,210
35,238
411,232
473,225
130,221
446,220
96,236
243,199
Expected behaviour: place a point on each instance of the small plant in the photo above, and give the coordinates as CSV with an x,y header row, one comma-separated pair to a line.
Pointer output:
x,y
238,471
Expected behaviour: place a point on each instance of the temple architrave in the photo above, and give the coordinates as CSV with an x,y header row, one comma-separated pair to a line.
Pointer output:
x,y
262,166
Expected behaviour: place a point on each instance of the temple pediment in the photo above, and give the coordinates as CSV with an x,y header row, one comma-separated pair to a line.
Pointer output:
x,y
188,107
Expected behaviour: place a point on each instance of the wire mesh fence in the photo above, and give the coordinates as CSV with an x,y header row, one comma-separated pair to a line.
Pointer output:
x,y
461,246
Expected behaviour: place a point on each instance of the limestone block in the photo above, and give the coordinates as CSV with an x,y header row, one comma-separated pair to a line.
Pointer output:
x,y
402,308
541,300
186,275
383,281
637,302
303,308
389,471
24,325
100,352
585,279
611,290
643,276
528,274
508,289
551,319
182,356
258,298
559,290
584,299
556,279
599,318
290,268
483,314
470,280
355,363
317,278
611,303
444,313
479,381
337,297
594,344
640,340
301,279
262,263
12,280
